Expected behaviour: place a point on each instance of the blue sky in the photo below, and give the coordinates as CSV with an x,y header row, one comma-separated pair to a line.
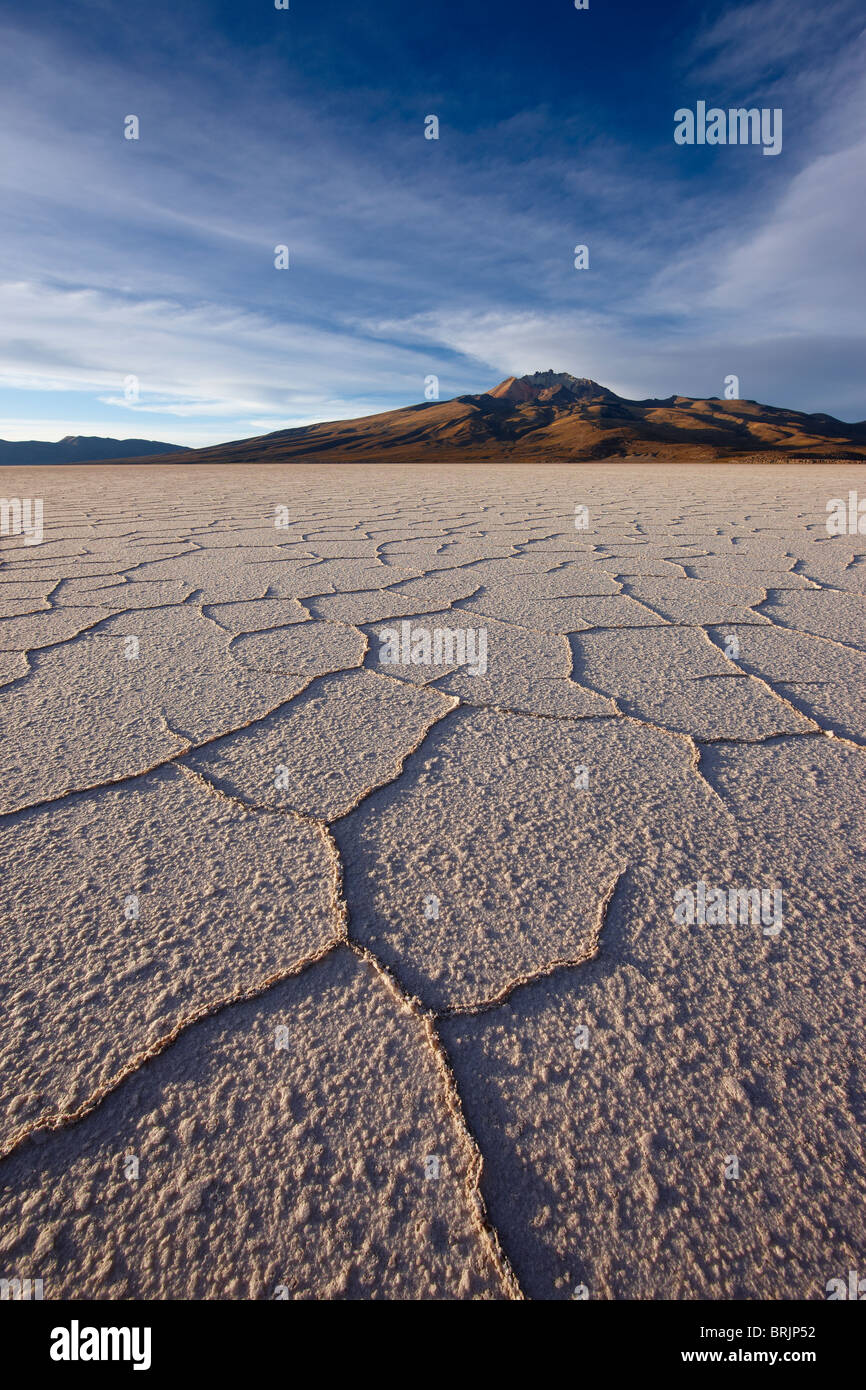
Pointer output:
x,y
412,257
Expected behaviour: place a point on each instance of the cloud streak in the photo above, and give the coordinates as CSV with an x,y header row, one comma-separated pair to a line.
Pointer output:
x,y
409,257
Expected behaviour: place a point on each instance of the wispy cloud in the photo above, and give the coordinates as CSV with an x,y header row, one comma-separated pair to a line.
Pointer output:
x,y
155,258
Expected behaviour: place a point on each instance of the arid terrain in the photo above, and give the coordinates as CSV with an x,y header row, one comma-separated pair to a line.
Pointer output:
x,y
368,844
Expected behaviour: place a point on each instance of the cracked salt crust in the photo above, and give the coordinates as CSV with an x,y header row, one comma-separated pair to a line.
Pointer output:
x,y
258,1171
696,601
309,649
451,1027
673,677
321,754
507,842
90,713
223,901
405,598
841,616
251,615
703,1044
820,677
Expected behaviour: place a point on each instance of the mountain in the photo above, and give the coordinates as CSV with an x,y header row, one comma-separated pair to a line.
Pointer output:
x,y
552,417
80,448
547,417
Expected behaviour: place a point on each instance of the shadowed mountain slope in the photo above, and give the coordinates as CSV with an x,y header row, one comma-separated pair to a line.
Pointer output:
x,y
552,417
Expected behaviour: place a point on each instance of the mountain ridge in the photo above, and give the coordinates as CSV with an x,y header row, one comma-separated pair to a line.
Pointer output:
x,y
545,417
79,448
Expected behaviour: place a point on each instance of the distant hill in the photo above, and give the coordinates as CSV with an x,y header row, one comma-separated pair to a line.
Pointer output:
x,y
80,448
547,417
552,417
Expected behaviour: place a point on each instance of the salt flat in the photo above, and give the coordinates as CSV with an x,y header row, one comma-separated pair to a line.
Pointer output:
x,y
344,861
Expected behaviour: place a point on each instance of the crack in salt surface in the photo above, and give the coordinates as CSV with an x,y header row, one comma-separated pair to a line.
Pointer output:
x,y
186,751
427,1019
338,909
478,1207
531,977
818,729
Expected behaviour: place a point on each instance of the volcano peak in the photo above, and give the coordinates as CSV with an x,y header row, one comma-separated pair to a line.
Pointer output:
x,y
548,386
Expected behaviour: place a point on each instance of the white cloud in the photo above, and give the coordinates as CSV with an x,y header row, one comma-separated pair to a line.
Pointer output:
x,y
156,259
204,360
51,430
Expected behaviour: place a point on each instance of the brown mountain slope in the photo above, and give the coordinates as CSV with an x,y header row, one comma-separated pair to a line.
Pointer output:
x,y
553,417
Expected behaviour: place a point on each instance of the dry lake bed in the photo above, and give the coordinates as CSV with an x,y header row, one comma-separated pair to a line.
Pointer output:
x,y
432,884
